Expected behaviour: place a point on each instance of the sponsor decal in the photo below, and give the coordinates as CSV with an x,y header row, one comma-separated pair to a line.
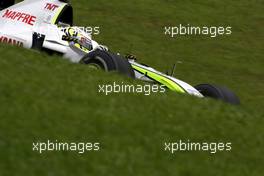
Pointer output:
x,y
11,41
51,7
19,16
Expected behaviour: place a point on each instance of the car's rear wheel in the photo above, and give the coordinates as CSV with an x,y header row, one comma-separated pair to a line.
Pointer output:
x,y
6,3
216,92
107,61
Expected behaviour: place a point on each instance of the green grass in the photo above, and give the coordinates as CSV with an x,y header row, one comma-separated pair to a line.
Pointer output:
x,y
43,97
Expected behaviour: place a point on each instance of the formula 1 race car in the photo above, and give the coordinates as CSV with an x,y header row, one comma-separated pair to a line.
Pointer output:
x,y
47,25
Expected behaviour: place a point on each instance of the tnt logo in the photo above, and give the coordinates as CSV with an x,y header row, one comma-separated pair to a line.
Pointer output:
x,y
51,7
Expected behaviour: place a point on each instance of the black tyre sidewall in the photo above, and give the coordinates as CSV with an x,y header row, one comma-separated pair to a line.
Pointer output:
x,y
216,92
123,66
101,58
109,62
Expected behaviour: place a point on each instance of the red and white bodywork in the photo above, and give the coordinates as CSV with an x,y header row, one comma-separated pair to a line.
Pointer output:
x,y
35,24
48,25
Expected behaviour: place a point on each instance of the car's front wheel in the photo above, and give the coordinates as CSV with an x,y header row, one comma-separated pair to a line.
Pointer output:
x,y
216,92
107,61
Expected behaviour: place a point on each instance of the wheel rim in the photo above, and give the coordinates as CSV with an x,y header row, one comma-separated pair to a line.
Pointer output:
x,y
94,66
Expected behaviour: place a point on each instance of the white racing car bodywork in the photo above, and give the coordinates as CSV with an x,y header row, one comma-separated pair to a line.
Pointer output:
x,y
34,23
47,25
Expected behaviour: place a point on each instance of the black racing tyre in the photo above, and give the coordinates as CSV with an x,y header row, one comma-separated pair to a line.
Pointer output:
x,y
216,92
6,3
108,62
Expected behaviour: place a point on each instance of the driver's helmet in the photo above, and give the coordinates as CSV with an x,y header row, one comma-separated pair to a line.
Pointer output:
x,y
78,38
